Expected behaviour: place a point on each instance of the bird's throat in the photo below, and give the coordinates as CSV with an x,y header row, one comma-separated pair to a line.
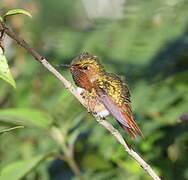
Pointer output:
x,y
84,82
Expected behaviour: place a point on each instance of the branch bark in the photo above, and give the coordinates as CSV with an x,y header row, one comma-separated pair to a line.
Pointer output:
x,y
69,86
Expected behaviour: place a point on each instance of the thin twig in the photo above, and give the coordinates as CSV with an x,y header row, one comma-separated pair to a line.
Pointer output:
x,y
68,85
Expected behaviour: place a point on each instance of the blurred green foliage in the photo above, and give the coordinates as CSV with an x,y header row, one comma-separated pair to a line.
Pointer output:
x,y
148,45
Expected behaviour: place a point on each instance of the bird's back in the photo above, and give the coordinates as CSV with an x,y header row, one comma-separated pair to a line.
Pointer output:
x,y
115,87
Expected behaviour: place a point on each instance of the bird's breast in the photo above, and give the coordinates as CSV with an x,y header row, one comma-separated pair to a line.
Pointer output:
x,y
93,103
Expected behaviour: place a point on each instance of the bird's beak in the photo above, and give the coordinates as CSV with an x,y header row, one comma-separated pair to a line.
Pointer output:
x,y
71,67
65,65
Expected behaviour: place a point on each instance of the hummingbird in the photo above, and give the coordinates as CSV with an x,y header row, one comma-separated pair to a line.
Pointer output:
x,y
104,93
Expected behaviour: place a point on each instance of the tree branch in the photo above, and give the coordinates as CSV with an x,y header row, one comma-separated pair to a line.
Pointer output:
x,y
69,86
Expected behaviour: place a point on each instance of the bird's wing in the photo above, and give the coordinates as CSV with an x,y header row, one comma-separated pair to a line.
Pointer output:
x,y
122,114
112,107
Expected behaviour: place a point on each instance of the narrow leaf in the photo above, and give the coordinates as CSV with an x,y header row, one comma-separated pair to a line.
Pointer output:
x,y
19,169
17,11
25,117
10,129
5,73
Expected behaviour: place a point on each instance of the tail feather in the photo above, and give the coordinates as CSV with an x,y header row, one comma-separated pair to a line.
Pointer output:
x,y
130,132
134,129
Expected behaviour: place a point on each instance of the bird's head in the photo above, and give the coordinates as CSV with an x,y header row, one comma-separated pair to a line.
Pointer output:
x,y
86,66
85,70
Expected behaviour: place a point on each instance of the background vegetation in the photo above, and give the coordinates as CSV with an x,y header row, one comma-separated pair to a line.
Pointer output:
x,y
144,41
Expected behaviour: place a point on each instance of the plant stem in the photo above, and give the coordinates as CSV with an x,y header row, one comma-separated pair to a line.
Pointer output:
x,y
68,150
72,163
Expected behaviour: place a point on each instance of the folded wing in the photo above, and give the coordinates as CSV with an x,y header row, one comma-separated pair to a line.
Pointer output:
x,y
123,115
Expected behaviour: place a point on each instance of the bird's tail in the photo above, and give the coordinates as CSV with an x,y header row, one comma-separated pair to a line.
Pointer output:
x,y
133,128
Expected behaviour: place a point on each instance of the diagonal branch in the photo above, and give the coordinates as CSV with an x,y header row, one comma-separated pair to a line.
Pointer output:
x,y
69,86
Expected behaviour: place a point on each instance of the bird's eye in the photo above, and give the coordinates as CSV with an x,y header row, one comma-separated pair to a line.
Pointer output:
x,y
85,67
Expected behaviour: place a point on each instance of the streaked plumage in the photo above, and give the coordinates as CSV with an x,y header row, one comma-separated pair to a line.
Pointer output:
x,y
104,92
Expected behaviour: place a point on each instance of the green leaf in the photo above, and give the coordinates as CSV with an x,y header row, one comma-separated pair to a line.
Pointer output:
x,y
10,129
17,11
25,117
1,19
21,168
5,73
